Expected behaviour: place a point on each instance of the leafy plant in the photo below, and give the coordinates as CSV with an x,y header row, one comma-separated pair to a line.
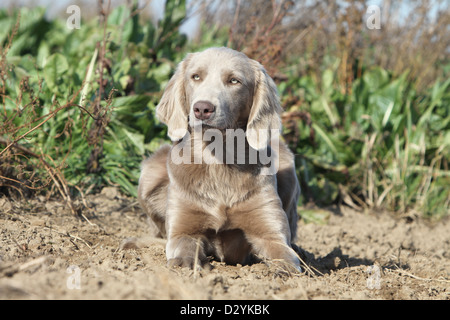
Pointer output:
x,y
110,80
77,106
384,145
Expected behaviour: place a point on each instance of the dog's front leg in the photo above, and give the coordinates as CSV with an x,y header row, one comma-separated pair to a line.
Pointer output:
x,y
266,228
187,229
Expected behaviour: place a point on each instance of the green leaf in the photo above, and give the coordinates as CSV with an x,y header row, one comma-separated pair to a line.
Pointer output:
x,y
54,69
161,73
327,81
387,114
43,54
135,139
89,75
325,138
174,13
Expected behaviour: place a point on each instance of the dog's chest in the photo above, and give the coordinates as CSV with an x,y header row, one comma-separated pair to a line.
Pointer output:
x,y
217,185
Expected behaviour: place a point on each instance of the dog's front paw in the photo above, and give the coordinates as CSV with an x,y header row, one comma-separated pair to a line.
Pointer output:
x,y
283,269
185,262
188,262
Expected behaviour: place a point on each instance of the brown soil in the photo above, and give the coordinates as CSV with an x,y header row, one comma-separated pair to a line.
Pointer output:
x,y
46,253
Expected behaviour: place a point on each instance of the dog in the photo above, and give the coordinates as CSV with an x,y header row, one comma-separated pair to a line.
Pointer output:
x,y
228,202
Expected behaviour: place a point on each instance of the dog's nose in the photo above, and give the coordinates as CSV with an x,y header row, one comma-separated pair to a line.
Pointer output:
x,y
203,110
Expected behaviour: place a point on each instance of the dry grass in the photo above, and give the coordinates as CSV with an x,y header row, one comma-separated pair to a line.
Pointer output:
x,y
304,35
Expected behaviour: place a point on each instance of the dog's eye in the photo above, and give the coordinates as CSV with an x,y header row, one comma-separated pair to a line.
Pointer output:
x,y
196,77
234,81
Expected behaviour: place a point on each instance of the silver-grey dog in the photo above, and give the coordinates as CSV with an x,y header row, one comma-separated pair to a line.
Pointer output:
x,y
224,210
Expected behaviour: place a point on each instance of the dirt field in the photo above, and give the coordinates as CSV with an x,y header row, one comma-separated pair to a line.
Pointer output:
x,y
46,253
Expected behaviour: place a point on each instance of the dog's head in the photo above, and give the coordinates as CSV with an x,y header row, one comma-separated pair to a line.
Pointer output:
x,y
224,89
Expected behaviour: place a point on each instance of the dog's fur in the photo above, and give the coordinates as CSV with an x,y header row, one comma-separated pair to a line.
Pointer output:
x,y
223,210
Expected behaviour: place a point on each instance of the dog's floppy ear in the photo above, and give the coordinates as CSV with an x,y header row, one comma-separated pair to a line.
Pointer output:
x,y
265,112
172,109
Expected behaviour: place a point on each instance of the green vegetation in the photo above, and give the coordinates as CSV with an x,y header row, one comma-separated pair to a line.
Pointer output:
x,y
382,145
77,113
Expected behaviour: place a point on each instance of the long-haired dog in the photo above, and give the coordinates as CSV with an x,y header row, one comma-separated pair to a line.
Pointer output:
x,y
227,186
